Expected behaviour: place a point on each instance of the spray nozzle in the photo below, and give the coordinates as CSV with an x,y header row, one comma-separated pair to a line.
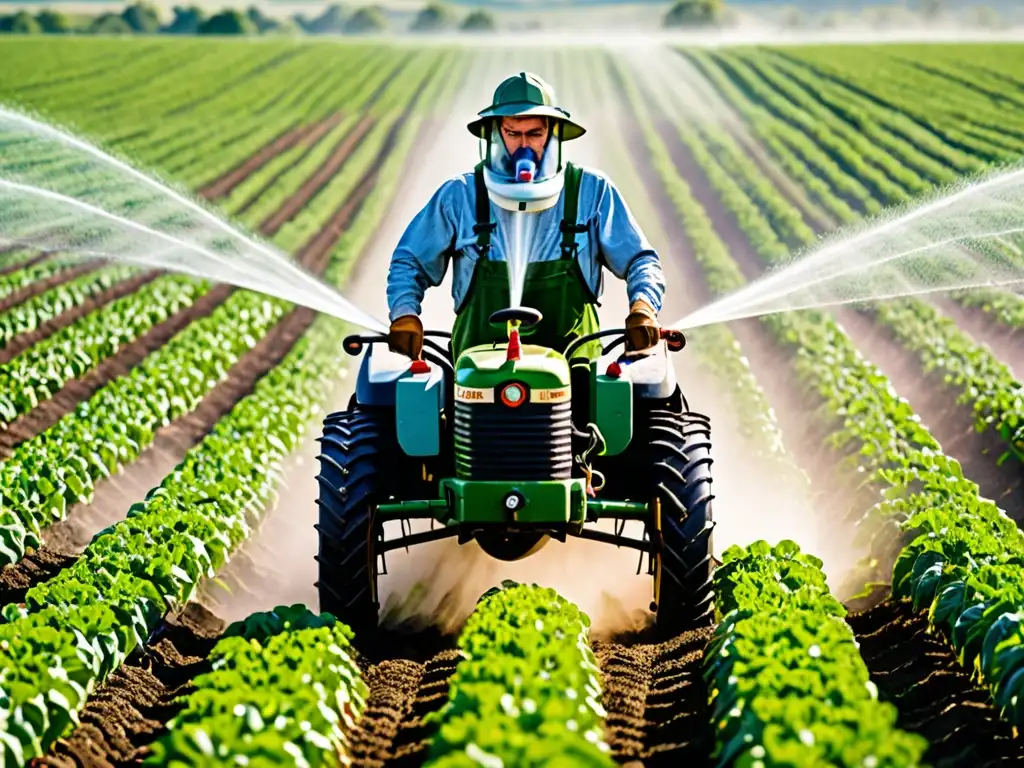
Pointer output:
x,y
525,162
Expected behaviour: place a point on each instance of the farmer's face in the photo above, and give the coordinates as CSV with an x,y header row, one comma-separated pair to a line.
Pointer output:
x,y
529,132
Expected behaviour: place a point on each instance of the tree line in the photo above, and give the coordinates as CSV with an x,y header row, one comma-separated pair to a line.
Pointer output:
x,y
144,19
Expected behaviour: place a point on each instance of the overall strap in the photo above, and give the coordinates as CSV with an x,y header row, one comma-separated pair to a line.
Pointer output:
x,y
484,226
570,206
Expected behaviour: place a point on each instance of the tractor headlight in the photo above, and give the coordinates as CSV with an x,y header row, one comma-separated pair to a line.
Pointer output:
x,y
513,395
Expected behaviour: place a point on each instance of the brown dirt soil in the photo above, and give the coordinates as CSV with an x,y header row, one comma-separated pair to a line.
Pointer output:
x,y
320,178
223,185
310,140
35,567
6,270
76,391
935,402
402,692
934,694
40,286
657,702
113,496
23,341
127,713
796,408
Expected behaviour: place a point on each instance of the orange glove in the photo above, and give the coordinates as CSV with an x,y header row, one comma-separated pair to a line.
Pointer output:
x,y
642,329
406,336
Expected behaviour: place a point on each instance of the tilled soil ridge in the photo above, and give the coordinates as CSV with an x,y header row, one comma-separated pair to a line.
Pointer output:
x,y
37,287
127,713
392,731
23,341
657,702
935,696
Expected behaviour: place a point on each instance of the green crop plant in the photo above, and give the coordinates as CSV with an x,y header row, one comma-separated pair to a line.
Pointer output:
x,y
283,688
786,681
528,690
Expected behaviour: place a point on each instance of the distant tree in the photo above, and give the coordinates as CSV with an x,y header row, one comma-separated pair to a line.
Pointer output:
x,y
143,18
228,23
434,18
54,22
22,23
479,21
694,13
330,22
986,16
263,23
110,24
186,20
794,17
932,9
366,20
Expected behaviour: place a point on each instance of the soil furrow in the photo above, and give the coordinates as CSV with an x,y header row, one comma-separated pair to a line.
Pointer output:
x,y
320,178
657,702
951,424
40,286
309,141
34,568
6,270
797,409
76,391
128,712
412,742
935,696
114,495
393,686
223,185
23,341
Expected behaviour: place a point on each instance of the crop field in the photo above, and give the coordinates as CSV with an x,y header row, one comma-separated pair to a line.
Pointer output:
x,y
150,424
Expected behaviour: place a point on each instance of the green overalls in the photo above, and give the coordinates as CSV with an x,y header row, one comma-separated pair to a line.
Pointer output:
x,y
556,289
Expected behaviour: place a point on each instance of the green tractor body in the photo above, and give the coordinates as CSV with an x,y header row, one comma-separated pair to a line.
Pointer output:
x,y
504,447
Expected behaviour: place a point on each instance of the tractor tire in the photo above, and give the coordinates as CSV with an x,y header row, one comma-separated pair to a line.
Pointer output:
x,y
680,453
357,447
669,460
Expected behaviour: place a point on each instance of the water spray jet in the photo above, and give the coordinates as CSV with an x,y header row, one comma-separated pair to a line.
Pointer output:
x,y
961,239
59,193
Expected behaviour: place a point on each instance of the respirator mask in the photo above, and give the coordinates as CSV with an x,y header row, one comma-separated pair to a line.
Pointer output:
x,y
521,181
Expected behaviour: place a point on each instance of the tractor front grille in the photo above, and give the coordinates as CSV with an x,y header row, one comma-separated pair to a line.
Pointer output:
x,y
531,442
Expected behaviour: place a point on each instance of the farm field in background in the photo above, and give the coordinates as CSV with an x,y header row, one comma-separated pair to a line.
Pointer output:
x,y
146,421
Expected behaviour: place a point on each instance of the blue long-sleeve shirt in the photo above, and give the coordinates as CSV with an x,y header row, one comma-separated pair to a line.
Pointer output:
x,y
613,239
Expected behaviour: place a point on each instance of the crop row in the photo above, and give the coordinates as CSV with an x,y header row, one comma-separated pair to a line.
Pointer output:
x,y
38,375
29,315
986,382
61,465
39,372
283,688
74,629
23,277
893,452
528,690
719,350
786,682
958,115
926,494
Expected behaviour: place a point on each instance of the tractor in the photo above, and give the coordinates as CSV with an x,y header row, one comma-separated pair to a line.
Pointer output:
x,y
512,445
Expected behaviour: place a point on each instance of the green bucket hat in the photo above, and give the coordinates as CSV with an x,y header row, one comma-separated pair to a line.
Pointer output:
x,y
525,95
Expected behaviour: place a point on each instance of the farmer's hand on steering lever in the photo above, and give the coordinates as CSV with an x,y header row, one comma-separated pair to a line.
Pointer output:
x,y
642,329
406,336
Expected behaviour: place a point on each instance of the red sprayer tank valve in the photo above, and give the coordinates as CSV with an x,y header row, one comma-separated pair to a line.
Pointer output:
x,y
514,350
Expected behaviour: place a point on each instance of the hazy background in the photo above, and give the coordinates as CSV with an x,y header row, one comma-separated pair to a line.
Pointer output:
x,y
761,19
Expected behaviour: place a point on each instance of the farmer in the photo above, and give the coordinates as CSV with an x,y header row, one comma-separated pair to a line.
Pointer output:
x,y
581,224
